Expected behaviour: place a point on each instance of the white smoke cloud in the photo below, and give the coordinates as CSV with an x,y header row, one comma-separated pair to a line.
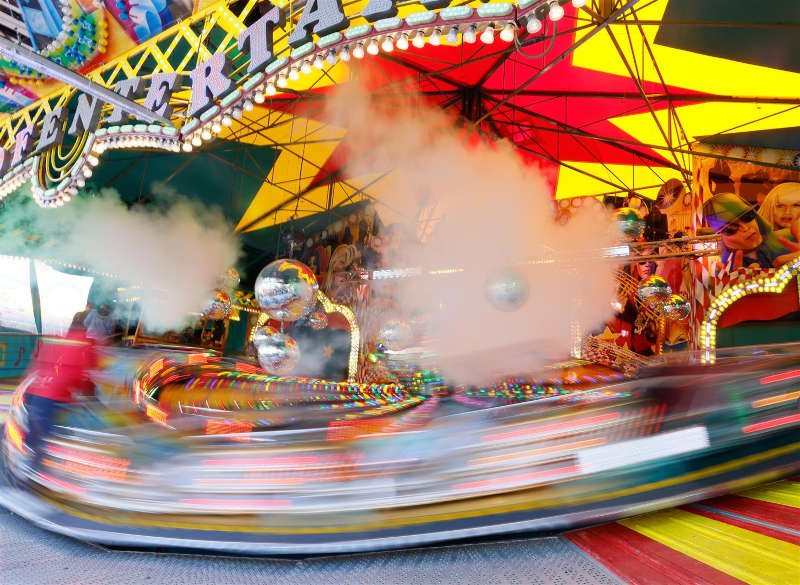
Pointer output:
x,y
495,213
174,249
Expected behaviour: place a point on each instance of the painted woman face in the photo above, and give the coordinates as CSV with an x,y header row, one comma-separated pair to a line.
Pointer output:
x,y
787,209
742,234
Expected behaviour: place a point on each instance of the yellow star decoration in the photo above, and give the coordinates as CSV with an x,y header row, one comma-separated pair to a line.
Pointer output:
x,y
328,350
608,336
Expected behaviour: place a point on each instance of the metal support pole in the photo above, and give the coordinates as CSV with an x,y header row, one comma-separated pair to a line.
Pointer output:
x,y
35,61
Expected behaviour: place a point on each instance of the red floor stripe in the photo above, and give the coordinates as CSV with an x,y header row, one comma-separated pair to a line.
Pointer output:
x,y
784,516
642,561
741,523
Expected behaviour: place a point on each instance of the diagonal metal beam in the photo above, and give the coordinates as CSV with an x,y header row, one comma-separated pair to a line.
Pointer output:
x,y
600,26
35,61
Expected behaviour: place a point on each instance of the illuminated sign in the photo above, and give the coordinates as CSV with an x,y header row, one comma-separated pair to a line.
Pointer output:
x,y
55,150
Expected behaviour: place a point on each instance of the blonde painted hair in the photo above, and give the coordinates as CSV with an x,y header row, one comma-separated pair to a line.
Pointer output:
x,y
768,209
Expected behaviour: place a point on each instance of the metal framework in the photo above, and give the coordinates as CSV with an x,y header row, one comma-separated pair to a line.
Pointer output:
x,y
291,121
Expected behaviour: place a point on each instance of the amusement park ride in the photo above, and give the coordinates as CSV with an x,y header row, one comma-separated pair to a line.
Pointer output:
x,y
199,449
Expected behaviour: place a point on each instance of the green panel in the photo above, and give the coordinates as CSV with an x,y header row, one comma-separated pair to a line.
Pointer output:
x,y
757,333
228,176
237,330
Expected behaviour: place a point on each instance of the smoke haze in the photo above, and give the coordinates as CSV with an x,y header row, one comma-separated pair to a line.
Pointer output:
x,y
175,249
494,213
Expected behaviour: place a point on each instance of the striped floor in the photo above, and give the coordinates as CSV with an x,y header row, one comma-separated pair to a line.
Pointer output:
x,y
751,537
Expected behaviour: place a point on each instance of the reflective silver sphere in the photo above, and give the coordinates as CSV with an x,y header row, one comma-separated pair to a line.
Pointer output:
x,y
654,291
230,280
278,353
676,308
218,308
629,222
286,290
507,290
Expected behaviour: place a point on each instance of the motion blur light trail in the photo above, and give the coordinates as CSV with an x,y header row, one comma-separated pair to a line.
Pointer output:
x,y
199,451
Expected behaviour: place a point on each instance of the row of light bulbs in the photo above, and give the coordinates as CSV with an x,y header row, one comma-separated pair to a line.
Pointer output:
x,y
359,50
13,183
215,126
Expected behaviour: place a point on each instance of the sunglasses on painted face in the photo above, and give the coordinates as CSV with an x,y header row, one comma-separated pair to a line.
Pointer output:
x,y
731,228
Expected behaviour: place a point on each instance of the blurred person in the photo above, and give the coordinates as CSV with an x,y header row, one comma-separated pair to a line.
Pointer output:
x,y
781,207
58,375
79,319
747,239
99,323
631,322
372,257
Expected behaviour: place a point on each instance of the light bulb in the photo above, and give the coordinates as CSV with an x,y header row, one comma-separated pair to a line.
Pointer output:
x,y
556,11
248,106
534,25
205,134
419,40
82,183
452,35
237,113
294,74
93,160
305,68
282,82
358,51
372,47
87,172
331,57
388,44
187,147
227,121
469,35
344,54
487,36
270,89
216,128
579,3
436,37
258,97
507,34
402,42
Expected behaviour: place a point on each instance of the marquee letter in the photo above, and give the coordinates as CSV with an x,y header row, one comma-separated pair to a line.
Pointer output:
x,y
87,115
209,80
257,39
5,161
130,88
433,4
161,87
52,128
377,9
23,143
324,16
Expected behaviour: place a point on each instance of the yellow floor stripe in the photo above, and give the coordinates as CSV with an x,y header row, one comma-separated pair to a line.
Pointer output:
x,y
743,554
786,493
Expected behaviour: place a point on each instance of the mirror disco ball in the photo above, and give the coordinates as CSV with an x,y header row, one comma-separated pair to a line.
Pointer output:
x,y
507,290
629,222
219,307
654,290
286,290
277,353
261,334
676,308
230,280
